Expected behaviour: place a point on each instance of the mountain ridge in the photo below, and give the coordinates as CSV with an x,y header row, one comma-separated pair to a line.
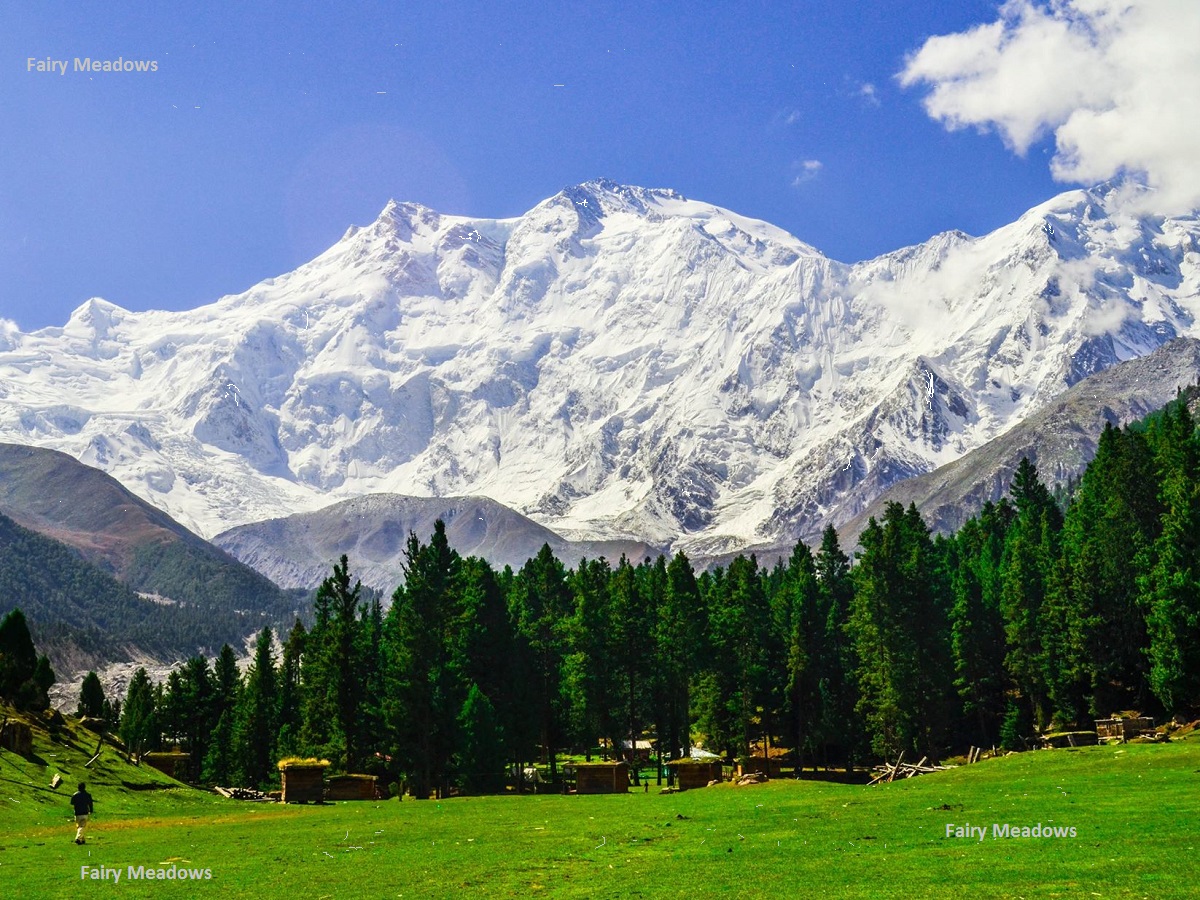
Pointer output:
x,y
616,363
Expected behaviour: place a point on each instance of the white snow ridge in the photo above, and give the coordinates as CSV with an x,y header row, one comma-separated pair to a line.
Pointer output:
x,y
617,362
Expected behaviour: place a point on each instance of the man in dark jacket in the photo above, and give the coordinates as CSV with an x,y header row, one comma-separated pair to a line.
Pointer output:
x,y
81,800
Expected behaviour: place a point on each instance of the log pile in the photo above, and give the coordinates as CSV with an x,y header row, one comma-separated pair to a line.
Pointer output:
x,y
901,769
238,793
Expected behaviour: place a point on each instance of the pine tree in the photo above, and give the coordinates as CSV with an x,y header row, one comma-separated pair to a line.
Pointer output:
x,y
1111,525
589,676
838,663
91,697
218,766
679,636
1029,556
255,721
422,713
1170,590
479,758
198,720
18,659
805,633
976,624
900,636
138,726
540,605
290,691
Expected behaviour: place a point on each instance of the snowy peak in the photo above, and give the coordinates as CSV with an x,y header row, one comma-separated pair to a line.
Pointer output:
x,y
618,362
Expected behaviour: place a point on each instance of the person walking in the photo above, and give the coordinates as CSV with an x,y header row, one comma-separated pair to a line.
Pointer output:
x,y
81,800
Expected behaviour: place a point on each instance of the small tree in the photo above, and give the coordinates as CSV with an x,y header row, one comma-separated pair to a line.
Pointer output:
x,y
91,697
480,761
137,718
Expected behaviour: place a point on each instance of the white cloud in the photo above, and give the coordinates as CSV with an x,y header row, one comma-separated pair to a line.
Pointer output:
x,y
806,171
786,117
10,334
869,93
1117,82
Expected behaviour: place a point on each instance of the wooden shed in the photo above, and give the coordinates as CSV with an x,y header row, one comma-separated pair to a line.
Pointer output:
x,y
695,773
351,787
601,778
303,780
760,765
1122,729
173,764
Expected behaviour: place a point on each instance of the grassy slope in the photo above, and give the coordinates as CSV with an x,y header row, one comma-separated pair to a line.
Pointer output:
x,y
1133,806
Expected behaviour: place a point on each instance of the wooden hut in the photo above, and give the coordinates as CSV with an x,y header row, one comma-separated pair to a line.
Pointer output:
x,y
760,765
601,778
1122,729
351,787
695,773
303,780
174,764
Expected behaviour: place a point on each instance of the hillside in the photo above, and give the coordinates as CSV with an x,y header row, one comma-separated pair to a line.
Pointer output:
x,y
1060,439
298,551
82,617
214,597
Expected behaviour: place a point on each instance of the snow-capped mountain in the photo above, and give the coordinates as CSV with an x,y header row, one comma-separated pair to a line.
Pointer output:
x,y
616,363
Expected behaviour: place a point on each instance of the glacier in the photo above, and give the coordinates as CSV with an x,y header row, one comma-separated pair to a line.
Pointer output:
x,y
617,363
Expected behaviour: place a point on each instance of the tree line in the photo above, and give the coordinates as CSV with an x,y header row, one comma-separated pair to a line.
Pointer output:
x,y
1039,612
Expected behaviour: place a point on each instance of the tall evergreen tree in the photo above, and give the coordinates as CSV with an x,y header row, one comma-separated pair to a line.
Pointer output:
x,y
219,762
976,624
1170,590
290,691
679,636
1030,552
423,712
541,605
18,660
839,693
900,637
256,720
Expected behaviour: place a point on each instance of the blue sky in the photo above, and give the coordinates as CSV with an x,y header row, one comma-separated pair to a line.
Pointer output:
x,y
266,132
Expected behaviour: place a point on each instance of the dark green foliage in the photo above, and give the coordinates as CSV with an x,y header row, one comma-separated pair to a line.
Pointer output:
x,y
1027,616
218,765
427,697
139,726
91,697
256,716
540,605
18,658
976,623
74,605
25,677
1016,727
1170,591
900,637
480,761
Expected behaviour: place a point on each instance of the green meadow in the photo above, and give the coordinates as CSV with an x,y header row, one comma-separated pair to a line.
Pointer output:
x,y
1134,808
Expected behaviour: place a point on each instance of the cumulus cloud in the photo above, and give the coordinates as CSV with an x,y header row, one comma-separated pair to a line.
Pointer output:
x,y
869,93
1117,83
806,171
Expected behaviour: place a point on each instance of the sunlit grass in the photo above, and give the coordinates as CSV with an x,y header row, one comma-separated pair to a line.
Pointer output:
x,y
1133,807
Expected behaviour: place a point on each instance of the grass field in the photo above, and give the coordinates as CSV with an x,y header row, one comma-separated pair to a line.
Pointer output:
x,y
1134,808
